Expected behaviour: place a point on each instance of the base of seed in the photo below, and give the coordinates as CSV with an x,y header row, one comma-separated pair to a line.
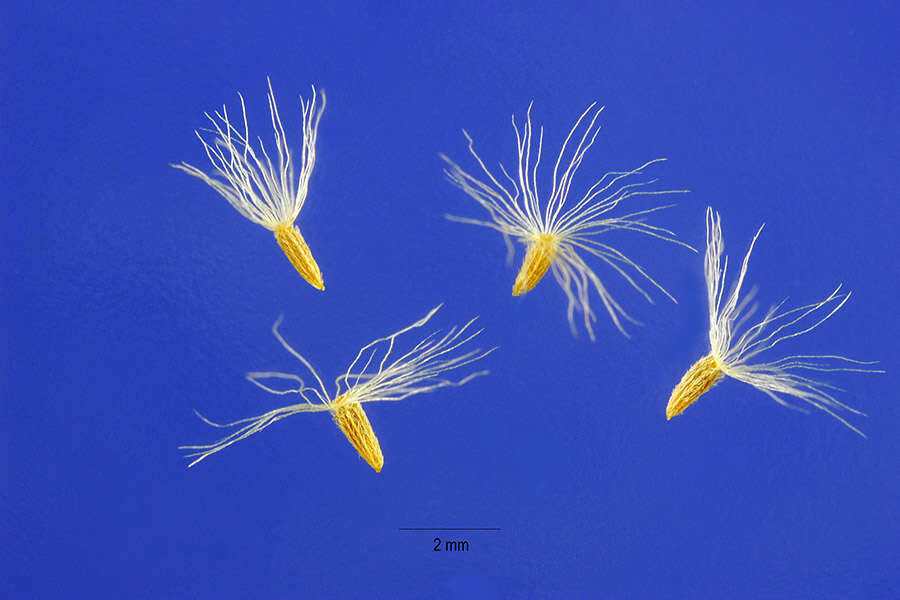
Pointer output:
x,y
540,254
295,248
702,375
352,420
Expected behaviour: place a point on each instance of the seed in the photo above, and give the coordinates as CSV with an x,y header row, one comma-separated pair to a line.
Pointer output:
x,y
540,254
298,253
352,420
702,375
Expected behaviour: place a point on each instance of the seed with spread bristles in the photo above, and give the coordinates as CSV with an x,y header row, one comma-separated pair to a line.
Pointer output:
x,y
554,233
733,345
267,194
374,375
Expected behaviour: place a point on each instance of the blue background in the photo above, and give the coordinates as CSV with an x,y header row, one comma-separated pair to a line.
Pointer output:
x,y
132,294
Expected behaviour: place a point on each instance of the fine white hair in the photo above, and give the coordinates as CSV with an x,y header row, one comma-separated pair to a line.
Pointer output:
x,y
265,192
734,343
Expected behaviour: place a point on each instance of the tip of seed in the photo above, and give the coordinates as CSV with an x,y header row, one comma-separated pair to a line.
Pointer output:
x,y
673,410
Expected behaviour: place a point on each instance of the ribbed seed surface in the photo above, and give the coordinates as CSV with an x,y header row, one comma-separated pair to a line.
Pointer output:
x,y
298,253
702,375
540,254
352,420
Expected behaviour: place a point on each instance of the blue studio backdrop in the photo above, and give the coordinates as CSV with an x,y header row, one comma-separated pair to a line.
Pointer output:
x,y
133,294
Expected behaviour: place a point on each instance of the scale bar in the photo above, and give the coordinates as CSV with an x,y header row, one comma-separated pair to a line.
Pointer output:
x,y
449,528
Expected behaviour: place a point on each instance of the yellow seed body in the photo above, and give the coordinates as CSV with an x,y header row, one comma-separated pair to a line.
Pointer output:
x,y
540,254
352,420
702,375
298,253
